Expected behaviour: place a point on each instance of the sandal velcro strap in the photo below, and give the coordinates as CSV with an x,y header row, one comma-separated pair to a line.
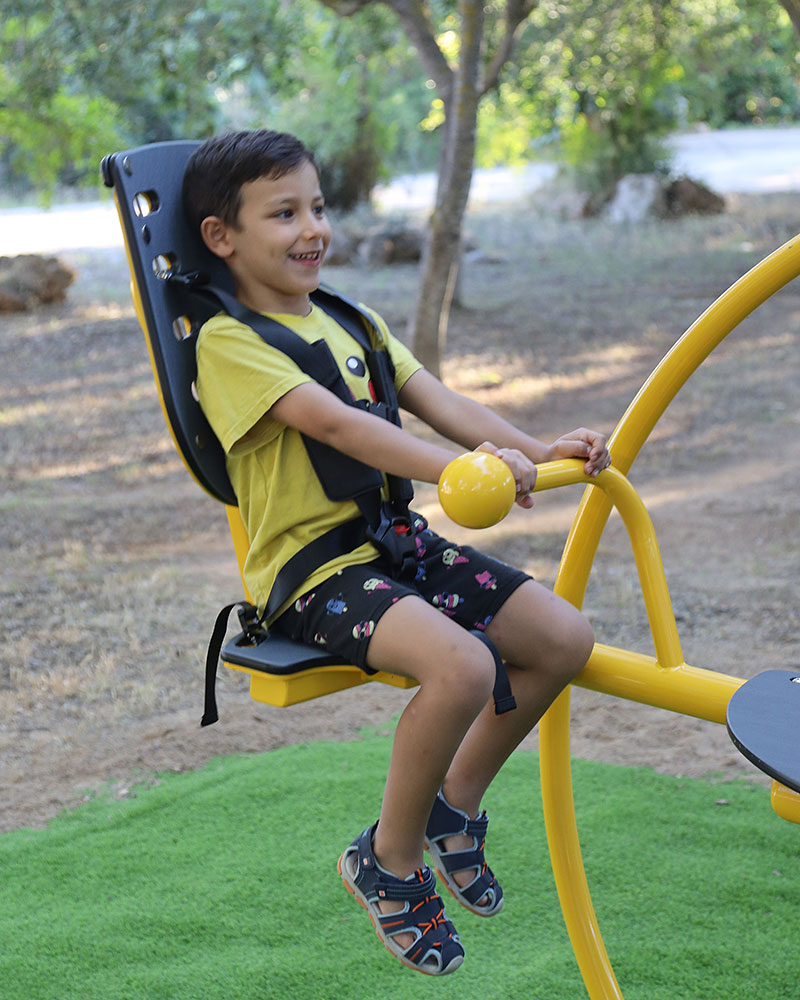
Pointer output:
x,y
435,948
379,884
477,827
482,895
461,861
477,889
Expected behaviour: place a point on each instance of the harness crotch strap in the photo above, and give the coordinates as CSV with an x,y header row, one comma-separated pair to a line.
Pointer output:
x,y
394,538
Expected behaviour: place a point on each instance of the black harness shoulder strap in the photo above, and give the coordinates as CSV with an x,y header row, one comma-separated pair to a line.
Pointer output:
x,y
342,477
386,524
312,359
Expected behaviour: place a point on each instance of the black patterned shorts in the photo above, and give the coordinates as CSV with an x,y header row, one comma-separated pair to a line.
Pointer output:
x,y
341,613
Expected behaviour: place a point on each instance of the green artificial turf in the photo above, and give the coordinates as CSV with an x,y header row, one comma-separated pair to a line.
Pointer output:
x,y
221,885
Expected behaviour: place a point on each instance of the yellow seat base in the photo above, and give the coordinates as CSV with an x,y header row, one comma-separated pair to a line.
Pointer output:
x,y
282,690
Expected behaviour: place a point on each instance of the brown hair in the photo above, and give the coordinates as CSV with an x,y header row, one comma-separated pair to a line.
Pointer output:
x,y
216,171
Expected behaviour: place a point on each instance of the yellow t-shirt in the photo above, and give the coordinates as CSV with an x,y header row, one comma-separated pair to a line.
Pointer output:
x,y
281,500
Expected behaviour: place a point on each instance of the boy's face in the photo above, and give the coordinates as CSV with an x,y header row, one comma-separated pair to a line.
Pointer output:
x,y
277,247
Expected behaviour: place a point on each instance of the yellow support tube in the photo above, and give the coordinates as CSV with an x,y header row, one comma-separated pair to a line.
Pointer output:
x,y
643,540
665,681
632,431
567,861
687,690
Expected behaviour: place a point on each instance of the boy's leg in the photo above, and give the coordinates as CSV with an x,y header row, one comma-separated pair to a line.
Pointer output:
x,y
543,639
384,625
455,672
380,624
545,642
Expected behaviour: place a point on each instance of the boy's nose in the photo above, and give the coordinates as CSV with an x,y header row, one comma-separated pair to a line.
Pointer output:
x,y
314,225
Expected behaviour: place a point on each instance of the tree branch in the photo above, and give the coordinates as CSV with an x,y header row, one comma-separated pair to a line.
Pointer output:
x,y
414,18
413,15
457,158
517,12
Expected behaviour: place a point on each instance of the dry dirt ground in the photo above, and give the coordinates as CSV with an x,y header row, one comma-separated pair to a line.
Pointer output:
x,y
114,563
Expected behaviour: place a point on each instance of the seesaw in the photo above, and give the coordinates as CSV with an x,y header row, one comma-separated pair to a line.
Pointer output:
x,y
762,714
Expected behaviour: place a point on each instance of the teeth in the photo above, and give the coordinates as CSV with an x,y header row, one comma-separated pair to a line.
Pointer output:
x,y
306,256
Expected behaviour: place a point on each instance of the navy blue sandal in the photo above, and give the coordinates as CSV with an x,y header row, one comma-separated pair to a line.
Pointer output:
x,y
446,821
436,949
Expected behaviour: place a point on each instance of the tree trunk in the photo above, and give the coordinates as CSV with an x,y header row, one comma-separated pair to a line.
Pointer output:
x,y
442,250
460,91
792,8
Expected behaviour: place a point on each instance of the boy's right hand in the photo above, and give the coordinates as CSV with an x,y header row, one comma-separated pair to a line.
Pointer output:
x,y
522,468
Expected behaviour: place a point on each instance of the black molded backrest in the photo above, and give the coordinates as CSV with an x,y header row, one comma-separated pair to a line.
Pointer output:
x,y
148,182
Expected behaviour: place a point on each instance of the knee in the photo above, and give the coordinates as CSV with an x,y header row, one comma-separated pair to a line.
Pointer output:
x,y
468,676
575,645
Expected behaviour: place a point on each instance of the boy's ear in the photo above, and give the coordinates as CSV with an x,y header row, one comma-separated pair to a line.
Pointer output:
x,y
215,236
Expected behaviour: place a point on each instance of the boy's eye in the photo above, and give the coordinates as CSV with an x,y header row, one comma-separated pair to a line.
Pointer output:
x,y
285,213
319,209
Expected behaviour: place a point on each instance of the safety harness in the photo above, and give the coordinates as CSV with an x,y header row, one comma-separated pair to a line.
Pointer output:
x,y
386,523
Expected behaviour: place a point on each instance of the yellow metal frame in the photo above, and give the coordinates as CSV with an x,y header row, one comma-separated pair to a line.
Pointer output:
x,y
665,681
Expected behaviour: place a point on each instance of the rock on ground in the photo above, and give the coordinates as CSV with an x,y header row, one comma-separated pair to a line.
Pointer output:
x,y
30,280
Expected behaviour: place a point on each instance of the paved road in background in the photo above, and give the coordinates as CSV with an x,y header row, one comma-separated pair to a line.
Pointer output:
x,y
746,160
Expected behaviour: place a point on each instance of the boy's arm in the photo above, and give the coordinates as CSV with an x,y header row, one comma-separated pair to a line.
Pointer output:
x,y
473,425
317,412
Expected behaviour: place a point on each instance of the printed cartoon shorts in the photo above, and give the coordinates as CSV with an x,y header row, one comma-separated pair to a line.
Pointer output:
x,y
342,612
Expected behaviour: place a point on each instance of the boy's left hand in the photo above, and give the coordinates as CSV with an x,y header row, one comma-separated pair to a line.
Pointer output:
x,y
522,468
582,443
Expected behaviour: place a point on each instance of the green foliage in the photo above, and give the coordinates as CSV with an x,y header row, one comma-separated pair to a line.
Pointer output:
x,y
504,126
351,89
44,122
83,78
625,76
607,80
741,59
136,73
69,129
598,156
602,79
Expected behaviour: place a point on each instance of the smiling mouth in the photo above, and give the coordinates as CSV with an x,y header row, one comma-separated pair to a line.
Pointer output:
x,y
312,257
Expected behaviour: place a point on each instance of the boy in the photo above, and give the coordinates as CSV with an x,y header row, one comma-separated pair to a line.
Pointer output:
x,y
255,199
